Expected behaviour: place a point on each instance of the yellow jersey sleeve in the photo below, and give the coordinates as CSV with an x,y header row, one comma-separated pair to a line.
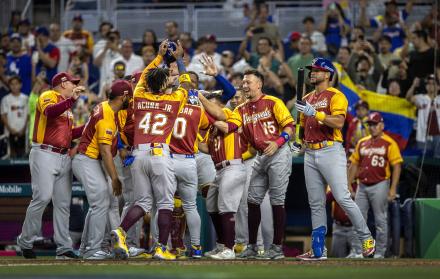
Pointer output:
x,y
90,42
282,114
154,64
106,131
355,156
339,104
204,122
46,99
235,118
394,156
122,119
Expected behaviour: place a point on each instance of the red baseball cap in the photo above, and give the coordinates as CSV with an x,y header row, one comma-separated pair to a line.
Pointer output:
x,y
374,117
121,87
63,77
295,36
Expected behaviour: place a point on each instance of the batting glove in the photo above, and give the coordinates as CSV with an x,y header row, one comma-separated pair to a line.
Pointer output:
x,y
295,147
128,160
193,97
305,108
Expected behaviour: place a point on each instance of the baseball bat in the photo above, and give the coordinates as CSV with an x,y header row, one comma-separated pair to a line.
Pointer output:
x,y
299,95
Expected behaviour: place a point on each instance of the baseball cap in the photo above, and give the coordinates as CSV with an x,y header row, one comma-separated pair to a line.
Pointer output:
x,y
24,22
15,36
361,103
77,17
63,77
121,87
42,31
374,117
211,38
295,36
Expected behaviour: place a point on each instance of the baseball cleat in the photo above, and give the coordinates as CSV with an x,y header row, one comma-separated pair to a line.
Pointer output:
x,y
368,247
239,248
275,252
196,251
134,251
28,254
69,255
309,256
181,253
354,255
99,255
226,254
216,250
161,252
144,255
118,242
250,252
377,256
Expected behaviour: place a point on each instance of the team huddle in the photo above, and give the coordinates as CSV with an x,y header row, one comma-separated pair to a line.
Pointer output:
x,y
158,140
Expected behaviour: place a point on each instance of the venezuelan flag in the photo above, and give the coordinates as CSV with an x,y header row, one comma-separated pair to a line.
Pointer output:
x,y
398,113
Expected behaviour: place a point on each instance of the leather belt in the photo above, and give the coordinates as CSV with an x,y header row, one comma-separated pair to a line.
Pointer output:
x,y
226,163
149,146
176,155
59,150
319,145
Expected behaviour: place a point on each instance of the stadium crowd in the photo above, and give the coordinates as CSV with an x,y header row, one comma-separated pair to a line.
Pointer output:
x,y
396,60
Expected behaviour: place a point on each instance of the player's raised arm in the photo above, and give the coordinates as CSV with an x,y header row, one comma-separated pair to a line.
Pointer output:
x,y
154,64
211,69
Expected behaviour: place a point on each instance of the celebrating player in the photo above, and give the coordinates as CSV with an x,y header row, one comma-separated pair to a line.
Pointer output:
x,y
371,163
322,118
50,165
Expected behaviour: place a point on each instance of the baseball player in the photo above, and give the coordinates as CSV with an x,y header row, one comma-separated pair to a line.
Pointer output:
x,y
96,145
370,163
322,117
50,165
224,195
265,232
152,169
357,128
267,125
183,146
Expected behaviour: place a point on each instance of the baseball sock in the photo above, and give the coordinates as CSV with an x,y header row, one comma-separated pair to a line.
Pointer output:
x,y
164,220
132,216
178,226
228,228
254,219
217,222
279,222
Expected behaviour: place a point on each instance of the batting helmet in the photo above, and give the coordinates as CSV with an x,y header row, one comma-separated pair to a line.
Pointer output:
x,y
323,65
169,58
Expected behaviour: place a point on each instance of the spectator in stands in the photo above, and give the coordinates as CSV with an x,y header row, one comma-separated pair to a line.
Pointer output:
x,y
398,70
172,30
65,45
104,29
318,39
27,38
428,23
237,79
262,28
40,85
79,68
4,43
428,116
14,114
357,127
149,39
187,43
19,63
358,32
385,55
264,53
48,55
293,46
272,83
80,37
227,61
303,58
105,56
364,67
148,54
343,57
421,60
133,62
392,24
335,26
394,88
119,70
287,81
14,22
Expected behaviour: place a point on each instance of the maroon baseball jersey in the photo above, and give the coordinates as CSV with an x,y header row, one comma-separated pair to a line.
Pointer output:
x,y
262,120
374,156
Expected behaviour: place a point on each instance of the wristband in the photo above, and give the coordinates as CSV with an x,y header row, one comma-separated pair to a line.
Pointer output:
x,y
284,137
184,78
320,116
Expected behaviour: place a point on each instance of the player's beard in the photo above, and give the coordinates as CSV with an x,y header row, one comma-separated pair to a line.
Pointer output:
x,y
126,103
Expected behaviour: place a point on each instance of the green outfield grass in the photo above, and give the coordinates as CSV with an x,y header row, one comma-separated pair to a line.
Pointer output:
x,y
340,269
